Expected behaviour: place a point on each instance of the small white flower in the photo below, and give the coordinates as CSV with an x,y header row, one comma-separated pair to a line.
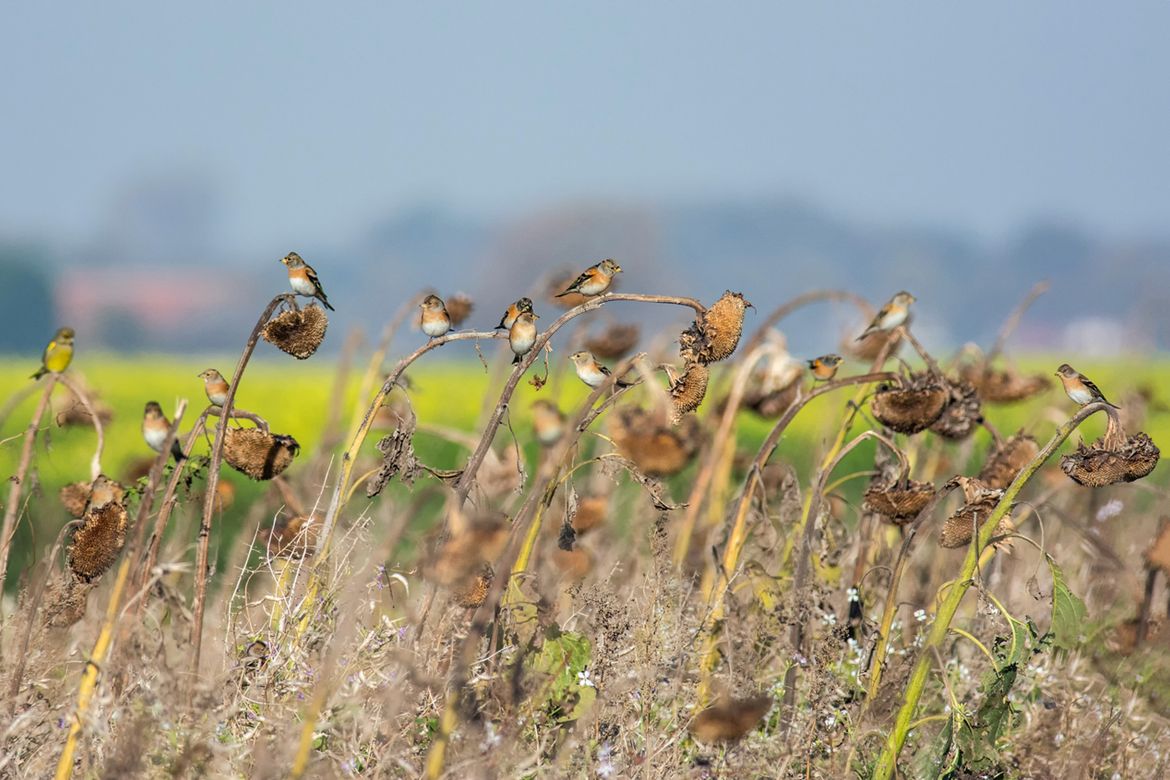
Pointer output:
x,y
584,680
1058,739
853,594
830,721
1110,509
829,619
920,615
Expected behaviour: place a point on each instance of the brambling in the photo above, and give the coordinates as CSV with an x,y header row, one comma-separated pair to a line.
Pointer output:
x,y
154,429
1080,388
215,386
104,491
590,371
825,367
58,353
513,311
303,279
595,280
435,321
548,422
522,334
891,315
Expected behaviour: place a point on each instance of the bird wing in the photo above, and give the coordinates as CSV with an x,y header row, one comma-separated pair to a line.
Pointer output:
x,y
602,368
312,276
503,319
883,312
579,281
1096,391
49,350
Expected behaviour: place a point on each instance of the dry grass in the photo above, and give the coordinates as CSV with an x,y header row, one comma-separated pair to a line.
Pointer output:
x,y
544,611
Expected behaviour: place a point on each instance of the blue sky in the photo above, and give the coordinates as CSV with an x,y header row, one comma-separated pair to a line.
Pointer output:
x,y
312,121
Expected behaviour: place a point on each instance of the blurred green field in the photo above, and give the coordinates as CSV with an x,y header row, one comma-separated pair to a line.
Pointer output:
x,y
296,397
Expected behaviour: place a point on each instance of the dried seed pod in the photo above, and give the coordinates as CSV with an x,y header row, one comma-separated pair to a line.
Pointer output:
x,y
65,601
729,721
911,408
1099,464
459,307
474,593
771,404
98,541
591,513
1008,459
293,537
722,325
656,448
1003,386
962,414
614,342
76,415
959,529
899,502
572,564
687,392
258,454
75,496
297,331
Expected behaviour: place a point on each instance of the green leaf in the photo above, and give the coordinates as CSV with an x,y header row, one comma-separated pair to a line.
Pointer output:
x,y
1068,611
563,657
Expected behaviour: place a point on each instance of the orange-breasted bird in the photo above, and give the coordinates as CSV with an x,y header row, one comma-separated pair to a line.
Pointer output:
x,y
513,311
548,422
590,371
595,280
215,386
891,315
1080,388
435,321
522,334
104,491
825,367
154,429
58,353
303,279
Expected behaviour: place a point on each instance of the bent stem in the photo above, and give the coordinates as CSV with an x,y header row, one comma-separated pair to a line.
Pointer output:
x,y
717,581
888,761
12,508
202,573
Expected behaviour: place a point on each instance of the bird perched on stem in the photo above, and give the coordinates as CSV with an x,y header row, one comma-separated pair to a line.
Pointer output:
x,y
891,315
825,367
303,279
155,427
591,372
435,321
513,311
522,334
215,386
1080,388
58,353
595,280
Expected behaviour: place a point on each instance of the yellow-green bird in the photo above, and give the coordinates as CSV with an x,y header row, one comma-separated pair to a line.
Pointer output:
x,y
58,354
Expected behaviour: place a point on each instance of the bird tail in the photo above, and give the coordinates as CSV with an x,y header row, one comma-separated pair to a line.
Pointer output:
x,y
864,333
40,373
516,360
563,294
624,383
325,301
177,451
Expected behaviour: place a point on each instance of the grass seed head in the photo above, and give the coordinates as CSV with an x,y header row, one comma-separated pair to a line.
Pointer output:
x,y
297,332
258,454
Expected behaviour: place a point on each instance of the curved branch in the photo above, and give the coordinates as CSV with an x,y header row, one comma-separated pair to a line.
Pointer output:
x,y
887,762
95,466
800,301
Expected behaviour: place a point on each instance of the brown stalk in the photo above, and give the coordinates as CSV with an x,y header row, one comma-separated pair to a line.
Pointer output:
x,y
95,466
377,358
34,606
540,491
800,301
331,433
12,507
201,554
1013,321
